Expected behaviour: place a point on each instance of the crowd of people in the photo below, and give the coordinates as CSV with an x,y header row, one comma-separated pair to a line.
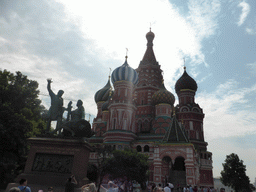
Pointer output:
x,y
23,187
117,185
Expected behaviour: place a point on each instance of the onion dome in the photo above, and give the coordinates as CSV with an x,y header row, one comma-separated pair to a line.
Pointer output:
x,y
150,36
103,94
124,73
163,96
185,82
105,105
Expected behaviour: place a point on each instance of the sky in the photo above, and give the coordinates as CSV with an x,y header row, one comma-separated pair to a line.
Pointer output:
x,y
76,44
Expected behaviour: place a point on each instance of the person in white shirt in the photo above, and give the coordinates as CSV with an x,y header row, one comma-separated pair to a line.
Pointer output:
x,y
167,188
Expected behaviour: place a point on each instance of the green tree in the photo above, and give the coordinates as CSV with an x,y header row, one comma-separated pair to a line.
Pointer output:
x,y
234,176
20,118
94,173
127,163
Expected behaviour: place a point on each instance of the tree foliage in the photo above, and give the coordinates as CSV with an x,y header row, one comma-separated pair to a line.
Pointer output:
x,y
234,174
127,163
20,118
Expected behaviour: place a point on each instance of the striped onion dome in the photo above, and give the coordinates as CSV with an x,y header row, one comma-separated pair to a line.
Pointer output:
x,y
185,82
124,73
163,96
103,94
105,105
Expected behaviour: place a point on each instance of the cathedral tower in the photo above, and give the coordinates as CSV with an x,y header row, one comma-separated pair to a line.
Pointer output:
x,y
191,116
188,112
150,80
121,126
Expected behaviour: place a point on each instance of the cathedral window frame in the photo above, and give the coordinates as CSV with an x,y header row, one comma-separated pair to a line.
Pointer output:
x,y
191,125
184,108
114,124
196,109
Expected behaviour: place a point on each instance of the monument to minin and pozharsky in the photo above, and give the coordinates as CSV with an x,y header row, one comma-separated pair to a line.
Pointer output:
x,y
58,154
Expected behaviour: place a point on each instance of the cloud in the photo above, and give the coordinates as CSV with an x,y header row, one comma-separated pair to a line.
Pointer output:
x,y
250,31
252,67
204,16
245,11
38,39
226,111
74,41
112,28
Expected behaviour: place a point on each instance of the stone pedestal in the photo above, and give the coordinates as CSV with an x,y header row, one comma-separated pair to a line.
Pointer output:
x,y
51,161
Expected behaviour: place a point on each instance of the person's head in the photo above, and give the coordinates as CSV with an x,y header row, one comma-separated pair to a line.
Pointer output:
x,y
23,182
110,184
159,184
167,185
14,189
79,103
70,179
50,189
60,93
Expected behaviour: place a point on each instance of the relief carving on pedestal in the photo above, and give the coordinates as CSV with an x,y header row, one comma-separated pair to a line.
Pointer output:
x,y
53,163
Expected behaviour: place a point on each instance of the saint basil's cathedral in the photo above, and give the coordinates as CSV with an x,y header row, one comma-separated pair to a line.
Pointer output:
x,y
139,113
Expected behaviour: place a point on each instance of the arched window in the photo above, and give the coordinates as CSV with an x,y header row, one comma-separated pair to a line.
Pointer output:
x,y
138,148
146,148
139,126
146,126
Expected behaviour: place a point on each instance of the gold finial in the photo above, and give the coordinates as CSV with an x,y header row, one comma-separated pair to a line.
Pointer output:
x,y
109,73
126,54
184,64
182,121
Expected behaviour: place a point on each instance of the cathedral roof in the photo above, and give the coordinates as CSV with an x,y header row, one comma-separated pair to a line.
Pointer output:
x,y
124,73
185,82
175,133
163,96
102,94
149,56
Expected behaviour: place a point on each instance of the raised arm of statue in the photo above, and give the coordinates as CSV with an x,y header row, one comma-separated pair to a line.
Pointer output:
x,y
49,88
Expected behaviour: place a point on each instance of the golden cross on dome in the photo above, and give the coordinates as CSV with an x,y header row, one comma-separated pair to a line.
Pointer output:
x,y
109,72
126,53
184,63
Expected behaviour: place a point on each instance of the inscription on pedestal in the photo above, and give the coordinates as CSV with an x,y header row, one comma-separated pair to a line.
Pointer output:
x,y
52,163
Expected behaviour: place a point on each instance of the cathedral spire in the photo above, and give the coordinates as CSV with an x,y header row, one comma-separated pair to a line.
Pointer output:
x,y
149,56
